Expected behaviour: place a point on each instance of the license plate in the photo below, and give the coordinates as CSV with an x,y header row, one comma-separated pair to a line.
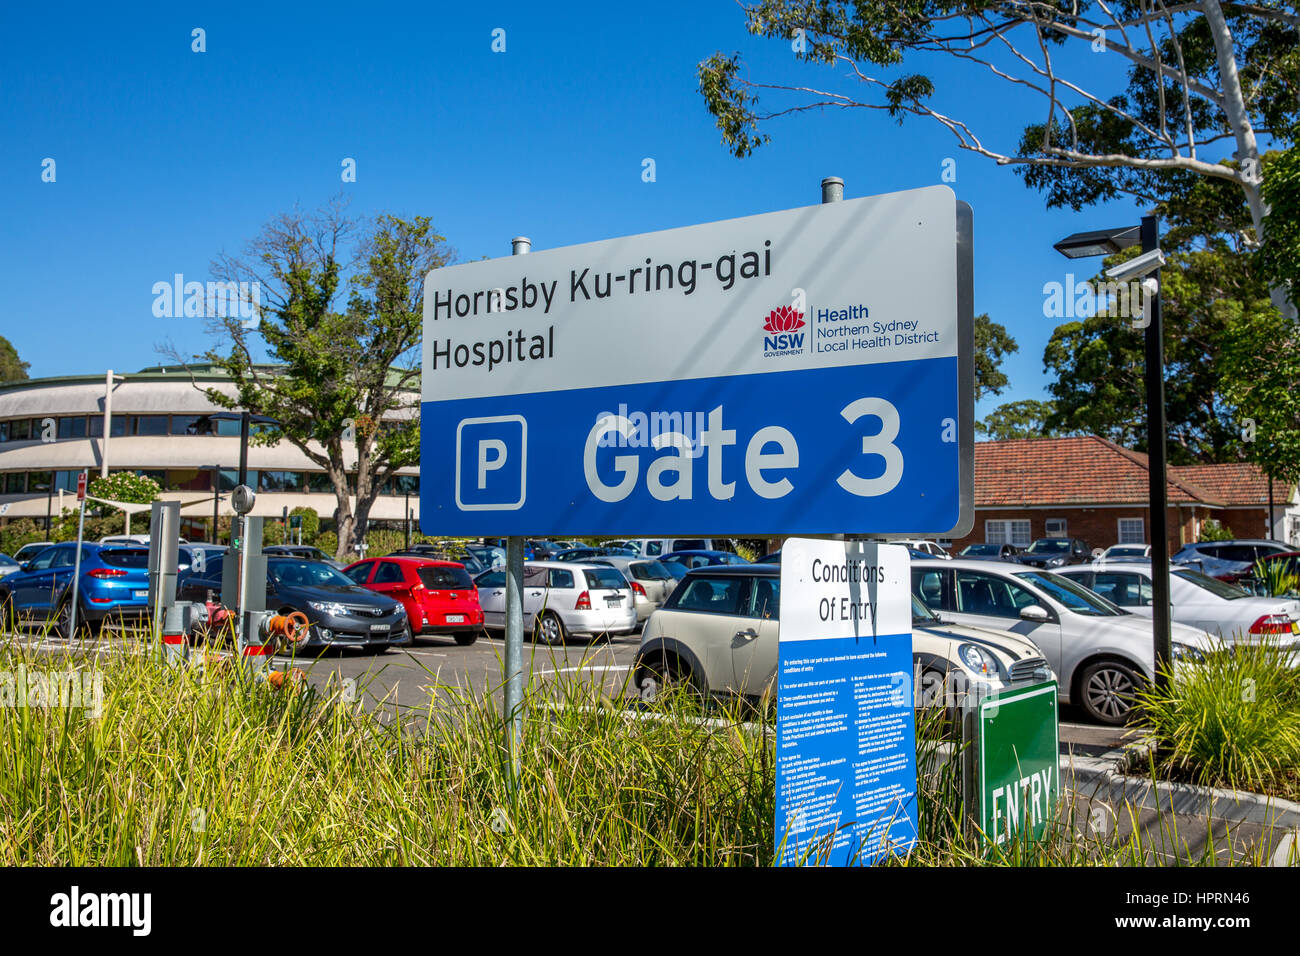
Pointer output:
x,y
378,627
613,601
141,595
455,618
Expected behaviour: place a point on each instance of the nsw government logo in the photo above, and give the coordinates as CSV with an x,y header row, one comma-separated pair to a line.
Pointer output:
x,y
783,337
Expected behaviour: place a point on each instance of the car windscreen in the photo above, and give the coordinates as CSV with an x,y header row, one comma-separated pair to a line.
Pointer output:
x,y
1050,546
605,578
435,577
1071,594
922,614
125,557
1216,587
1139,552
982,549
6,561
306,574
650,571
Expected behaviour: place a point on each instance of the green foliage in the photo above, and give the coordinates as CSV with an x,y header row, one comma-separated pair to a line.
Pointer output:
x,y
1276,580
1214,530
310,523
992,344
344,345
12,369
17,533
328,541
125,486
1023,419
1260,368
1280,253
1232,721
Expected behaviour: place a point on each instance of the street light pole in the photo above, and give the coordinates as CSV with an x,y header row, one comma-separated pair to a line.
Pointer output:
x,y
1156,467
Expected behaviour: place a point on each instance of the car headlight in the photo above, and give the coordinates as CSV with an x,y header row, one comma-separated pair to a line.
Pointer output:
x,y
1055,562
977,660
328,607
1185,652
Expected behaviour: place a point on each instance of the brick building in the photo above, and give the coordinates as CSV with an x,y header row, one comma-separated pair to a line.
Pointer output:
x,y
1090,488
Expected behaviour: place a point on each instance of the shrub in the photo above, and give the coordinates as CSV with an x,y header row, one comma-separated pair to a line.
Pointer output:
x,y
125,486
1232,720
1214,530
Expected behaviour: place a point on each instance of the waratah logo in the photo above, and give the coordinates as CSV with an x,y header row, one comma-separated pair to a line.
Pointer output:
x,y
782,336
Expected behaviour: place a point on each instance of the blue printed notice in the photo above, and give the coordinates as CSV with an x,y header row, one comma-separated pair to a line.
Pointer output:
x,y
846,731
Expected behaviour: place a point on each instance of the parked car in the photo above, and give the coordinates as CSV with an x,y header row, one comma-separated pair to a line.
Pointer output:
x,y
584,553
1126,552
990,552
701,559
1101,653
774,557
490,556
657,547
341,613
693,640
439,597
1055,552
31,550
1228,560
623,544
1220,609
651,581
456,553
114,585
130,539
8,565
304,551
562,599
931,549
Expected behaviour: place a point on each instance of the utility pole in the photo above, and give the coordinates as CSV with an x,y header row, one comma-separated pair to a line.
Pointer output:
x,y
515,620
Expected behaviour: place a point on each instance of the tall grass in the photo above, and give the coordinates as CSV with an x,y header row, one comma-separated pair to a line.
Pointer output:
x,y
203,766
1232,721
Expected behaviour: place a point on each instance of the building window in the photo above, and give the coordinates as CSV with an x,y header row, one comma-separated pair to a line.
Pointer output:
x,y
39,481
188,479
19,429
228,480
1008,531
1055,528
72,427
281,481
319,482
15,482
150,425
1132,531
406,484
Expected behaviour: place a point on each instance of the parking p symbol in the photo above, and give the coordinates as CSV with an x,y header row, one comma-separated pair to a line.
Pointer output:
x,y
485,463
491,463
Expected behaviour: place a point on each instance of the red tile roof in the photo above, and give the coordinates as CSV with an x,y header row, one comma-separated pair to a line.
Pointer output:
x,y
1236,483
1084,470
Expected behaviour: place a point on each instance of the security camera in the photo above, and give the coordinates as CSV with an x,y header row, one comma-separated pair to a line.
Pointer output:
x,y
1136,267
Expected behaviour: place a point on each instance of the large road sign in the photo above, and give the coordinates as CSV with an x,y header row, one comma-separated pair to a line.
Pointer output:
x,y
845,727
805,371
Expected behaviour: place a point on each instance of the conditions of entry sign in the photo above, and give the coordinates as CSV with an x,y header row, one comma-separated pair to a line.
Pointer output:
x,y
845,728
708,378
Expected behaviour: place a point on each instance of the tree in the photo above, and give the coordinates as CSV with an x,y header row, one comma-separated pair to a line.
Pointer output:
x,y
11,368
992,344
1023,419
345,379
1200,77
1211,279
1260,367
1280,253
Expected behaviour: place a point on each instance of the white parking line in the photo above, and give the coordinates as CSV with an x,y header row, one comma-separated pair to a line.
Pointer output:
x,y
584,667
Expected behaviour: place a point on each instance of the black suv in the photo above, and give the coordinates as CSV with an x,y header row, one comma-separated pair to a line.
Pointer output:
x,y
1055,552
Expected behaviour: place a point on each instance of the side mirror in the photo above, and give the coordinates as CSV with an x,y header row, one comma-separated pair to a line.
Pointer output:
x,y
27,566
1035,612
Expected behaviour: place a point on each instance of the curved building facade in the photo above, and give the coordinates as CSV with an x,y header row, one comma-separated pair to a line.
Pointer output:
x,y
161,424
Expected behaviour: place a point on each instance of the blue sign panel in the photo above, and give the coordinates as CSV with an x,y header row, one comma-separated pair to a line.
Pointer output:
x,y
794,372
845,727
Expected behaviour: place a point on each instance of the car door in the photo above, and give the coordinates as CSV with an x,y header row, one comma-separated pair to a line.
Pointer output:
x,y
994,601
1127,589
754,645
390,581
492,597
28,587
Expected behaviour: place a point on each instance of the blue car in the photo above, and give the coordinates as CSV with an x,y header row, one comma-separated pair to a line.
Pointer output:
x,y
114,584
701,559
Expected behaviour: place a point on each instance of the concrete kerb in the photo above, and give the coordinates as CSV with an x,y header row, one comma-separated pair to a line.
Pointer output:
x,y
1110,777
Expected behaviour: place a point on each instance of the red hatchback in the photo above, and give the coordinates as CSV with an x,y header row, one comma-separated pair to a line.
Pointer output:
x,y
439,596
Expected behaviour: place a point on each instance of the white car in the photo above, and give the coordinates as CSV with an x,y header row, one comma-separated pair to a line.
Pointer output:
x,y
931,548
1125,552
651,581
562,598
1100,652
1223,610
657,547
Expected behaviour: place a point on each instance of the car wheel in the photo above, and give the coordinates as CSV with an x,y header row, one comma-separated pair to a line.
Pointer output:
x,y
63,621
549,629
1107,690
659,675
465,640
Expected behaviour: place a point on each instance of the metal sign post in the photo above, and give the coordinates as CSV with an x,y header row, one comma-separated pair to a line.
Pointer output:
x,y
164,554
76,564
514,690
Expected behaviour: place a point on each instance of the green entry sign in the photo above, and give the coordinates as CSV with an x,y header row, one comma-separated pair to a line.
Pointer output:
x,y
1019,774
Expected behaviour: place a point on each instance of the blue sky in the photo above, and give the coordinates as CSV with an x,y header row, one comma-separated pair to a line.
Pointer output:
x,y
166,157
